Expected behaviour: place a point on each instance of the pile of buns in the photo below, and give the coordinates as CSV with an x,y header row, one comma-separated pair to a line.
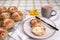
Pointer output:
x,y
8,16
37,27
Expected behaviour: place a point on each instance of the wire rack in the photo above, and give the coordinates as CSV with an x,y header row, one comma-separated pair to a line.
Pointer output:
x,y
29,4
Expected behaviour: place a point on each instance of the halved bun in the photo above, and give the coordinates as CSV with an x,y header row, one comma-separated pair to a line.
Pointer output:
x,y
38,30
35,22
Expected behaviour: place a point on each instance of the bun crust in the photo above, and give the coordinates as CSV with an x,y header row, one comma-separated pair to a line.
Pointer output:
x,y
12,9
4,15
8,23
17,16
3,9
35,22
3,33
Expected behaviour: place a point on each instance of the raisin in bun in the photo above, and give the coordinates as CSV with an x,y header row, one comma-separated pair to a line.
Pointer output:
x,y
35,22
17,16
8,23
3,9
39,30
12,9
3,33
4,15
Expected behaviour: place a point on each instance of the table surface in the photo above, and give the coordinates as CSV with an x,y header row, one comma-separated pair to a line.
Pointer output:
x,y
24,5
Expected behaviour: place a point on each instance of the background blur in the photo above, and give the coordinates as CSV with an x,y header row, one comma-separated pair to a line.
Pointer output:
x,y
29,4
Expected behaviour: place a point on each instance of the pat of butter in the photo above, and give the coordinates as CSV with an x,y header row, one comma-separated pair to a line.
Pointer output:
x,y
33,12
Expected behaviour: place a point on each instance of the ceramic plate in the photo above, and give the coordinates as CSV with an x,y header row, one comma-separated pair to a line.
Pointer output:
x,y
49,31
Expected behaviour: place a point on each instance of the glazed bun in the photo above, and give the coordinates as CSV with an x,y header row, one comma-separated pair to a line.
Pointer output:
x,y
4,15
8,23
12,9
35,22
17,16
3,9
39,31
3,33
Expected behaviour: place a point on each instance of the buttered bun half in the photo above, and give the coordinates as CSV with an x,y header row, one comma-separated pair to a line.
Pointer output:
x,y
39,30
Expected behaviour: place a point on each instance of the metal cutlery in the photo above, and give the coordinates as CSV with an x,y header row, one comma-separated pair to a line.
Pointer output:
x,y
48,24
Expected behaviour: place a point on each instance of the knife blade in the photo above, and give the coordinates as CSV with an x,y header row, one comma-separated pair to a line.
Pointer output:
x,y
48,24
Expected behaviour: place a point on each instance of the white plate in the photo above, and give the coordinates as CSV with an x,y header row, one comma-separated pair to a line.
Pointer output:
x,y
49,31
